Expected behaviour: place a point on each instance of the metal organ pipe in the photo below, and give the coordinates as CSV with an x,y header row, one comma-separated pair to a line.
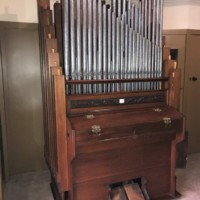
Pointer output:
x,y
105,46
113,71
85,44
122,40
109,46
94,44
90,56
100,43
72,40
66,33
79,44
118,49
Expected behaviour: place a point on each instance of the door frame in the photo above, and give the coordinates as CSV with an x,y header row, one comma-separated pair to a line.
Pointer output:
x,y
4,91
3,76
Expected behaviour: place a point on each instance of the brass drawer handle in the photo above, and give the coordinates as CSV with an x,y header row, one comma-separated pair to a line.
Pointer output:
x,y
157,110
167,121
89,116
96,130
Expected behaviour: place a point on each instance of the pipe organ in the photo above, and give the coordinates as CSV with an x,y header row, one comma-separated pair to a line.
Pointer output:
x,y
110,126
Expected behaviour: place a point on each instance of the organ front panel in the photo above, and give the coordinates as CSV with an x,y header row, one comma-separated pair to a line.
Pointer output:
x,y
110,128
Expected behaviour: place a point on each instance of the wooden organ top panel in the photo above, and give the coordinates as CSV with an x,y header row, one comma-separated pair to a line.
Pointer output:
x,y
109,128
123,119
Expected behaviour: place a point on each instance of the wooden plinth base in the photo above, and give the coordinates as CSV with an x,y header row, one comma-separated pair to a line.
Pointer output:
x,y
177,195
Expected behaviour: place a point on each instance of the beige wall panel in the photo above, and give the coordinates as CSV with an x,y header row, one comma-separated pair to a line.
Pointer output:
x,y
22,87
188,43
1,164
192,88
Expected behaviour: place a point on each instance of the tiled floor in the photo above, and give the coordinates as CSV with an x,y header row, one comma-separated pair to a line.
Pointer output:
x,y
188,183
35,186
31,186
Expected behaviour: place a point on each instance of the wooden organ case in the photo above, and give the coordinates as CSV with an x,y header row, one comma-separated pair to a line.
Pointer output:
x,y
108,118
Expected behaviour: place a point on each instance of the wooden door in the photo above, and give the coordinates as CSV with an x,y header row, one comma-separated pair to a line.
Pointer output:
x,y
192,91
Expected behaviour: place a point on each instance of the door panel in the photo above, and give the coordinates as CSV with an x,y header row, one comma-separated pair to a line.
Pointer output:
x,y
1,163
22,93
192,95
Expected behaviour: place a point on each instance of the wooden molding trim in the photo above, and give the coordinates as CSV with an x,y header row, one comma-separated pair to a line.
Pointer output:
x,y
5,24
180,2
181,32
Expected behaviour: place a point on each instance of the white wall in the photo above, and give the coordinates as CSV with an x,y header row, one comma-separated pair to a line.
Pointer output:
x,y
181,14
178,14
194,16
176,17
18,10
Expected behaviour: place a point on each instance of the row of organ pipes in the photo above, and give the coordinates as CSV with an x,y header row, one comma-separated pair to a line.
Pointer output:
x,y
119,40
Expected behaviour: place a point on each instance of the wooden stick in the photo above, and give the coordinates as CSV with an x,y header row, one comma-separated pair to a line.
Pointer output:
x,y
133,192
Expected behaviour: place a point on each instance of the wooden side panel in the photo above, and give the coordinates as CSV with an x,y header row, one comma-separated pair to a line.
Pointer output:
x,y
56,144
58,29
174,88
61,133
45,19
53,59
166,53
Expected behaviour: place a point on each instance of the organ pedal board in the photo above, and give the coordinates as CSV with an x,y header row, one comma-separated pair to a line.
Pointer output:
x,y
132,190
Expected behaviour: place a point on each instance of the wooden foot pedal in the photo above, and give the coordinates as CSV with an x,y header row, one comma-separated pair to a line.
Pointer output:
x,y
134,192
118,193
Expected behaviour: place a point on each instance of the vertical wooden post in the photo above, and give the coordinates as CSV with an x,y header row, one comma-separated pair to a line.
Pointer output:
x,y
172,170
174,88
174,85
61,131
45,4
58,29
